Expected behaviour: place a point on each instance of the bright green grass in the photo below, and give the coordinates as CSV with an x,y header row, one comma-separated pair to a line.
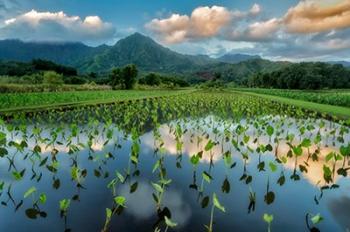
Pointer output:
x,y
329,97
340,111
48,100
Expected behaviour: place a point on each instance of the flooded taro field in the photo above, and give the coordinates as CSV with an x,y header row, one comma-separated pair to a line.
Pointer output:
x,y
197,162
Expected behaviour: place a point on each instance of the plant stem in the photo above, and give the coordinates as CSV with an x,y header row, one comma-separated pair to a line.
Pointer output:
x,y
211,218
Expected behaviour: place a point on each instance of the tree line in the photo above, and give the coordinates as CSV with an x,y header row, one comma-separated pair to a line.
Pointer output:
x,y
14,68
126,78
308,75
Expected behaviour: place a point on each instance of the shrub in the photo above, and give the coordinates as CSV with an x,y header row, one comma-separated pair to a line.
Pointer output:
x,y
53,78
74,80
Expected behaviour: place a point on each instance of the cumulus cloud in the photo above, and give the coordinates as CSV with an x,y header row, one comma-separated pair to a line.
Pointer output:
x,y
56,26
311,29
207,21
204,22
311,16
173,29
256,32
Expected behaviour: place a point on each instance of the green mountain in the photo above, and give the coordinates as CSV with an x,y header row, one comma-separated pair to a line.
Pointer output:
x,y
148,55
240,72
67,53
233,58
138,49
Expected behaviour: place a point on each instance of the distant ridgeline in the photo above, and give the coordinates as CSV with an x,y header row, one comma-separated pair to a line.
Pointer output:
x,y
151,57
14,68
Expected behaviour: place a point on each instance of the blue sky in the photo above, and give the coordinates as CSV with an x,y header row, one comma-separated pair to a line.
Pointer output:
x,y
280,30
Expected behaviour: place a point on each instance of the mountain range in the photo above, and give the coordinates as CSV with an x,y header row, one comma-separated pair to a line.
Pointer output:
x,y
137,49
344,63
148,55
234,58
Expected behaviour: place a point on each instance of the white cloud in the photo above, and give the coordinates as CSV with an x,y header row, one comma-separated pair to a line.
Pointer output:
x,y
173,29
56,26
207,21
256,32
310,16
317,29
255,10
204,22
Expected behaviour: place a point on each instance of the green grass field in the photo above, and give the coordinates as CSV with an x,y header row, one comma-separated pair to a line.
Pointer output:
x,y
17,102
328,97
48,100
340,111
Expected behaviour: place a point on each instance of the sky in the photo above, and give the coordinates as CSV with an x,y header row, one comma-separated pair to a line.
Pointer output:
x,y
295,30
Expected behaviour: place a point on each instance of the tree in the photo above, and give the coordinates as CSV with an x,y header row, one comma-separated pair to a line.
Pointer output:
x,y
304,75
129,76
125,77
217,76
45,65
116,78
152,79
92,75
75,80
53,78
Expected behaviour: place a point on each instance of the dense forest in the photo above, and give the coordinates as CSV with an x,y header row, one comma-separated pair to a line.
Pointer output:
x,y
45,72
154,79
303,76
253,73
12,68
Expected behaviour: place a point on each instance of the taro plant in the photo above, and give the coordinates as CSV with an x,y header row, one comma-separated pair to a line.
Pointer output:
x,y
215,204
119,202
315,219
268,218
64,206
33,212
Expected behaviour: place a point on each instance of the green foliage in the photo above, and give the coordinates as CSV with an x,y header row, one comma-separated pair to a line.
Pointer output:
x,y
237,73
74,80
217,204
52,78
8,101
29,192
64,205
329,97
12,68
130,73
151,79
235,123
303,76
44,65
124,77
120,201
268,218
19,88
213,84
316,219
116,77
169,222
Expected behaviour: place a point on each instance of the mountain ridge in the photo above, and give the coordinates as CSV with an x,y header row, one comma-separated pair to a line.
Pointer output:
x,y
145,53
138,49
235,58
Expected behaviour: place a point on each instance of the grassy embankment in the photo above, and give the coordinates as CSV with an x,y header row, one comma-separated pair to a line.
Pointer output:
x,y
337,97
28,102
31,88
311,100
